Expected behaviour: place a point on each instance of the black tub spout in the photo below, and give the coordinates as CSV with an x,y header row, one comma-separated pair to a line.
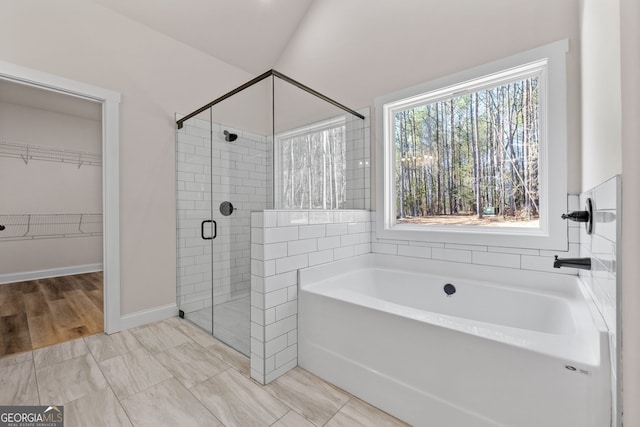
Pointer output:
x,y
581,263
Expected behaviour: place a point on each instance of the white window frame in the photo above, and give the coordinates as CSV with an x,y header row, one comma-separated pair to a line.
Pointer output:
x,y
549,64
315,127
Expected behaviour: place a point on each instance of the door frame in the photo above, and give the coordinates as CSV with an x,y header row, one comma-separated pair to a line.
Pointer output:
x,y
110,101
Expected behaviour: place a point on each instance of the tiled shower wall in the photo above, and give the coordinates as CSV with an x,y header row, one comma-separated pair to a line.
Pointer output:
x,y
231,171
358,136
281,243
602,247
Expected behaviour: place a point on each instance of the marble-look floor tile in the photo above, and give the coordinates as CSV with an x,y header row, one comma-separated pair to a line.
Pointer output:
x,y
57,353
359,413
98,409
293,419
237,401
133,372
160,336
191,364
237,360
104,346
18,384
168,404
16,358
69,380
192,331
308,395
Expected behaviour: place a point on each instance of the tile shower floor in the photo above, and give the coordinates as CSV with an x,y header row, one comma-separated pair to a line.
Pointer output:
x,y
231,322
171,373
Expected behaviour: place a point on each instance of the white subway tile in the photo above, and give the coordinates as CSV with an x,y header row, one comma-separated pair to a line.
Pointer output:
x,y
279,371
349,239
362,248
279,281
455,255
280,234
292,218
496,259
257,219
287,355
292,293
543,263
257,332
475,248
358,227
414,251
384,248
269,364
272,299
270,219
344,252
269,268
257,300
328,242
257,347
280,327
257,364
337,229
311,231
321,257
269,316
275,345
292,337
257,251
301,247
257,235
257,316
275,250
291,263
287,309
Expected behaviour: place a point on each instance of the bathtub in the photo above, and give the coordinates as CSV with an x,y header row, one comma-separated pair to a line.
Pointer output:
x,y
501,347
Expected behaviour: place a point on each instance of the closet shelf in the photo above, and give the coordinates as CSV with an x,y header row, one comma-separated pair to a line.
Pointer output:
x,y
38,226
28,152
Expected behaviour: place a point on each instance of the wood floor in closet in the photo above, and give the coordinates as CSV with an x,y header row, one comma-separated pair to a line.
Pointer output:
x,y
43,312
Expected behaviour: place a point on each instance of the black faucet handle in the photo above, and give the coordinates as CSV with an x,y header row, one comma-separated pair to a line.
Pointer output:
x,y
577,216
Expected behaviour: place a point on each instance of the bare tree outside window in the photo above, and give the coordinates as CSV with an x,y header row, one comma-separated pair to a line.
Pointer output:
x,y
312,168
470,159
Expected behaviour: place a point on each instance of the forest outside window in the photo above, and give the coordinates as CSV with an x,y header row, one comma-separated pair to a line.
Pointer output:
x,y
479,157
311,167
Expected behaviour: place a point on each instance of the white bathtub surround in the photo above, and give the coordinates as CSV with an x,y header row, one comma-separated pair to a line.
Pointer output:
x,y
495,353
602,279
519,258
281,243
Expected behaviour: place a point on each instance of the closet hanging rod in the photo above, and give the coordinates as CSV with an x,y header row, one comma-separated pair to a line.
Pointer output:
x,y
261,77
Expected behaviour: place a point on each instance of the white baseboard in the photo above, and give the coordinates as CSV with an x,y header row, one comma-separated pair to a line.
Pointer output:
x,y
52,272
143,317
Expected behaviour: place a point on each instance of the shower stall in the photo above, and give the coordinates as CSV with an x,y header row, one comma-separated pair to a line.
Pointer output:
x,y
270,144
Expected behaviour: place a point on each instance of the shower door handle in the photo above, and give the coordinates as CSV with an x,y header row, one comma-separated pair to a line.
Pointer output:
x,y
215,229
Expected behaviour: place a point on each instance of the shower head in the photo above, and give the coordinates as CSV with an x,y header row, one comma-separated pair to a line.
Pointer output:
x,y
230,137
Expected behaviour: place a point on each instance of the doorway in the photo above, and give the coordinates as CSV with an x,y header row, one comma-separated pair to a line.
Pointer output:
x,y
107,103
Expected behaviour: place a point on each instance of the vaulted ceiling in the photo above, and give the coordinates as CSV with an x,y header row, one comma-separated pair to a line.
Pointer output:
x,y
249,34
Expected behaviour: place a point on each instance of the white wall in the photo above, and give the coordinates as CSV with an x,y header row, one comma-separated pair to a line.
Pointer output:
x,y
630,85
157,76
43,187
600,67
352,51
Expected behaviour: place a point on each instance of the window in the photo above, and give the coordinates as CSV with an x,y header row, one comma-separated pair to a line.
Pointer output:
x,y
311,167
478,157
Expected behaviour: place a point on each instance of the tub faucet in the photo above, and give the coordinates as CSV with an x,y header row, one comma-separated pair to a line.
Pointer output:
x,y
582,263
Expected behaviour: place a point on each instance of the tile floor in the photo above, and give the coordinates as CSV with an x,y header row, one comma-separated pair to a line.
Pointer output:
x,y
171,373
231,323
